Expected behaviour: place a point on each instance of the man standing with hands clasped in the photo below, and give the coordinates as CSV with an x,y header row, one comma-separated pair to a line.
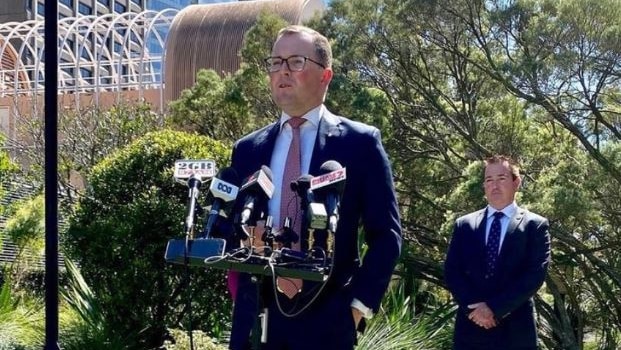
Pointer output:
x,y
305,137
496,261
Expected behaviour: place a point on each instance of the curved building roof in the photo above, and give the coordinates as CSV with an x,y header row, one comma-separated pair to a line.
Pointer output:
x,y
210,36
111,52
9,75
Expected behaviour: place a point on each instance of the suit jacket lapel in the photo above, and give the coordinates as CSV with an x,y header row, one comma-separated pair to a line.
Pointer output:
x,y
265,144
328,131
513,224
479,229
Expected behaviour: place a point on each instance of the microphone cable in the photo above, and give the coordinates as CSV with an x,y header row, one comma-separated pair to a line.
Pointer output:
x,y
272,265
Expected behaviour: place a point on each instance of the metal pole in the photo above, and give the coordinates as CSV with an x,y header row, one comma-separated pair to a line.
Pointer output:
x,y
51,170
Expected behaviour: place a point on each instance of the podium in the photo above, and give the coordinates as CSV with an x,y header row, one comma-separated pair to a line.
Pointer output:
x,y
210,252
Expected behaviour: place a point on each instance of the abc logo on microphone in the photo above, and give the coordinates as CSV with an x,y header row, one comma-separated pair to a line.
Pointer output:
x,y
224,188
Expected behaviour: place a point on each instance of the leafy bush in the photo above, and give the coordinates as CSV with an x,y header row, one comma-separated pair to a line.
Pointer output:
x,y
181,341
21,321
82,319
118,237
398,326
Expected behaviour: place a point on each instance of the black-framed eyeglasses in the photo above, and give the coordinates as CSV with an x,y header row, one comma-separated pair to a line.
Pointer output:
x,y
295,63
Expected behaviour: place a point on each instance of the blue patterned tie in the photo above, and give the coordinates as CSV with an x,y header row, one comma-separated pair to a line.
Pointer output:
x,y
493,243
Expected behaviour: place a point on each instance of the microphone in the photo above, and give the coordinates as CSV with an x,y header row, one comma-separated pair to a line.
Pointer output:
x,y
193,251
286,236
222,191
192,173
316,214
301,187
258,188
330,186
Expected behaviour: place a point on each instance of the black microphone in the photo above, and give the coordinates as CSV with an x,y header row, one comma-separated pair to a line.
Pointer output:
x,y
286,236
222,191
258,189
329,186
301,187
316,215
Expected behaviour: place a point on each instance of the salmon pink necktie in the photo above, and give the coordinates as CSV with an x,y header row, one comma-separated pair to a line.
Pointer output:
x,y
289,205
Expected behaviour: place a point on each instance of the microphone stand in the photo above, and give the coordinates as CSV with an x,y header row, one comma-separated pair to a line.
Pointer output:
x,y
194,185
259,328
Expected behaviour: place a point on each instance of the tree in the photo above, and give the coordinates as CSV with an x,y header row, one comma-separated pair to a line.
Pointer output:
x,y
21,318
86,136
226,108
118,237
7,168
537,80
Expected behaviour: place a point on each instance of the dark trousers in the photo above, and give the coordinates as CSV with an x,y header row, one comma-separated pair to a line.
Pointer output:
x,y
327,325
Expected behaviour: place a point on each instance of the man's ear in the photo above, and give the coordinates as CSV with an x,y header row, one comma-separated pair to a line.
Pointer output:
x,y
326,77
518,183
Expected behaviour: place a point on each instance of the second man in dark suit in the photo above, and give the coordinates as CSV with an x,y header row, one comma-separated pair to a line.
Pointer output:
x,y
496,261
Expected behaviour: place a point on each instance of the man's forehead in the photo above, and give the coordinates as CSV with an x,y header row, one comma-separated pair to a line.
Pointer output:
x,y
497,169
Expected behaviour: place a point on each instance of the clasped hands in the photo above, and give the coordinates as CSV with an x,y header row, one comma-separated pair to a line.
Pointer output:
x,y
482,315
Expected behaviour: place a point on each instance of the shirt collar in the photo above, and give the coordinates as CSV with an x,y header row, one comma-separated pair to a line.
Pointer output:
x,y
313,116
509,210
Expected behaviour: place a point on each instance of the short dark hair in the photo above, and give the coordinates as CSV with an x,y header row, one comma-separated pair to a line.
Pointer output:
x,y
322,45
499,158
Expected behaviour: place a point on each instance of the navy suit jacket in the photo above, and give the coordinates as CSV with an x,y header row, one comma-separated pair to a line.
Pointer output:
x,y
369,198
522,266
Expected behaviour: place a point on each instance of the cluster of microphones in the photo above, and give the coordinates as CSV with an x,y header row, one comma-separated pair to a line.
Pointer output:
x,y
319,199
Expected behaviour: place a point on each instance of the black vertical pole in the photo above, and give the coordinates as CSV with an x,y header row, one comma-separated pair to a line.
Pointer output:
x,y
51,170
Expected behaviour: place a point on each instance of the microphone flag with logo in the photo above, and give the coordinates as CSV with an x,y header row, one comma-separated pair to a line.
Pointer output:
x,y
258,188
222,192
329,187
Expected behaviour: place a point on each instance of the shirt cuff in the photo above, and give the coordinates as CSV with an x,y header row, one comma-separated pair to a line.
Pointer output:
x,y
366,312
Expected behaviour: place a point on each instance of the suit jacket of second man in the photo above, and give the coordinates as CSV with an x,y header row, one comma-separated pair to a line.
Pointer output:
x,y
521,270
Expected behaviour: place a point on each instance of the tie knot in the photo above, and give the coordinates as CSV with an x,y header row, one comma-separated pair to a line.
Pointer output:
x,y
498,215
296,122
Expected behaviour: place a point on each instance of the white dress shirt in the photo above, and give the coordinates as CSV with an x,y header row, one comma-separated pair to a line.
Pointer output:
x,y
308,134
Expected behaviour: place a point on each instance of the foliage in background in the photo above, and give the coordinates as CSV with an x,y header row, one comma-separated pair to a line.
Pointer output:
x,y
7,167
88,134
399,325
181,341
226,108
25,227
82,321
537,80
119,233
21,321
448,84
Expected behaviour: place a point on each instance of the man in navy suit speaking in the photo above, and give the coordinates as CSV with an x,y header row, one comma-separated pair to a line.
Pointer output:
x,y
496,261
305,137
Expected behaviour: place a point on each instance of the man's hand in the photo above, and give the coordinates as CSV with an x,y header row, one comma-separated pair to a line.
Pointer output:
x,y
357,314
482,315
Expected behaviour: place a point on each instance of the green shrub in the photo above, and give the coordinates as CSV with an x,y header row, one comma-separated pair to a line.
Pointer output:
x,y
181,341
118,237
399,326
21,321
